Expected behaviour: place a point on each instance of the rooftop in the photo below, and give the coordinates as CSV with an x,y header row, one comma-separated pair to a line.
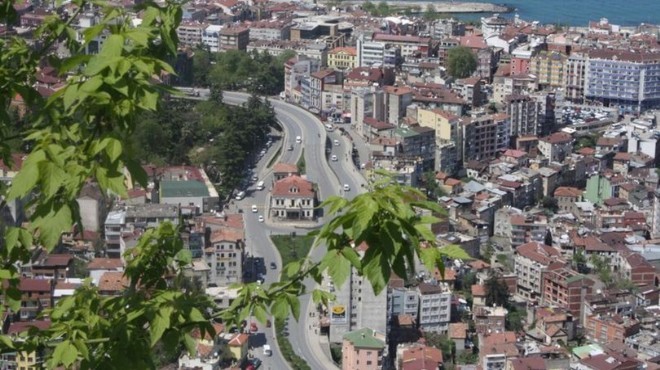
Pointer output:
x,y
183,189
364,338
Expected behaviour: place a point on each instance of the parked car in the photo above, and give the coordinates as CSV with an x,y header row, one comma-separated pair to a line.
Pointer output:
x,y
261,218
273,266
290,148
333,158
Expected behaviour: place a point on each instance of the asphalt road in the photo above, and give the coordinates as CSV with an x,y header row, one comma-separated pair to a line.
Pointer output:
x,y
330,176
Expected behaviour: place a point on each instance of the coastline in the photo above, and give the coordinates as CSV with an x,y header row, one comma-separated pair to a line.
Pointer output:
x,y
449,6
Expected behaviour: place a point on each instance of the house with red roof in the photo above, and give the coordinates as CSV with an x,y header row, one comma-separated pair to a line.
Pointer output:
x,y
418,357
530,261
293,198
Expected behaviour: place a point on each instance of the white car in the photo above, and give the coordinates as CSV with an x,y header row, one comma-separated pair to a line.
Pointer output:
x,y
254,208
298,139
336,142
347,188
261,218
333,158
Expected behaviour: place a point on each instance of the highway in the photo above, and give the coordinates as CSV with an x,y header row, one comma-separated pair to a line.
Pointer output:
x,y
330,176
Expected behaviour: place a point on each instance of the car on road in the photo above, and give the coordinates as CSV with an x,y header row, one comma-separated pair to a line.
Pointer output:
x,y
290,148
273,266
254,178
261,218
298,139
267,350
347,188
240,195
253,363
329,127
254,208
336,142
334,158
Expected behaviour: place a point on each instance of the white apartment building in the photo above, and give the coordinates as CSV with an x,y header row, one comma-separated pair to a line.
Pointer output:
x,y
356,306
529,263
225,256
211,38
434,307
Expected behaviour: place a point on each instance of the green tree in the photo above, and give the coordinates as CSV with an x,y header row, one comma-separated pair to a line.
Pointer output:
x,y
548,238
461,62
441,342
514,320
550,203
383,9
497,292
430,13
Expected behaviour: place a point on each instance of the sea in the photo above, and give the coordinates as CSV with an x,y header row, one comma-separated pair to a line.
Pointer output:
x,y
578,13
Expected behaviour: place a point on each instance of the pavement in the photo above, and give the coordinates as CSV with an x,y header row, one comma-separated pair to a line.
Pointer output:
x,y
330,177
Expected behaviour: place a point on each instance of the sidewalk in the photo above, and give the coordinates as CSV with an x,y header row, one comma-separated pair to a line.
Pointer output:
x,y
317,343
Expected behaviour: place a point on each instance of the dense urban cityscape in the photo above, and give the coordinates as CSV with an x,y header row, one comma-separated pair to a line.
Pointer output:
x,y
540,142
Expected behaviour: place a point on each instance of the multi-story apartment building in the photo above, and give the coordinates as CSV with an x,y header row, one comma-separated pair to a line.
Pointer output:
x,y
489,319
629,79
549,68
357,306
225,256
335,98
610,328
410,45
125,221
234,38
564,287
401,300
363,349
366,103
527,229
556,146
211,38
493,26
292,198
523,112
36,295
575,77
272,29
318,81
295,70
415,143
505,85
634,267
434,307
397,100
485,136
375,53
343,58
495,349
190,33
530,261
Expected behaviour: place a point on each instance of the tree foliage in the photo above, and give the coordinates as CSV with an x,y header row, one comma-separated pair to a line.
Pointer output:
x,y
255,72
461,62
497,292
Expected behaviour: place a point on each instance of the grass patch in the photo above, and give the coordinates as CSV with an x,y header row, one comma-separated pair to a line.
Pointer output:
x,y
335,351
275,158
286,348
292,248
301,162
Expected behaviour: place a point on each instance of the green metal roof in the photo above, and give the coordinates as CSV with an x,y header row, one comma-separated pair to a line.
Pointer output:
x,y
181,189
364,338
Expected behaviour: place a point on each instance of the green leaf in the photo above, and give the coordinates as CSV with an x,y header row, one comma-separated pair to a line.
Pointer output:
x,y
139,36
353,257
92,84
51,223
27,177
190,344
294,303
65,353
112,46
280,308
183,257
159,324
52,178
259,312
292,268
454,251
430,257
339,267
377,271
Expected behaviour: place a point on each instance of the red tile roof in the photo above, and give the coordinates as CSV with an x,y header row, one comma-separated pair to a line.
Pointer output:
x,y
57,260
293,186
285,167
458,330
421,358
113,281
538,252
558,138
478,290
227,234
105,264
568,191
34,285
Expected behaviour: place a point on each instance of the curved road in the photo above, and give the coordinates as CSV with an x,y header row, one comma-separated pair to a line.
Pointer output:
x,y
330,176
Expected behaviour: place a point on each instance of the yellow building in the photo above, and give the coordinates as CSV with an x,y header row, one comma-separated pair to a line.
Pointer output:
x,y
342,58
443,122
26,360
238,346
549,68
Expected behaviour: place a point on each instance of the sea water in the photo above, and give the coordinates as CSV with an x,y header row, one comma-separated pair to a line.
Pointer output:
x,y
579,12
